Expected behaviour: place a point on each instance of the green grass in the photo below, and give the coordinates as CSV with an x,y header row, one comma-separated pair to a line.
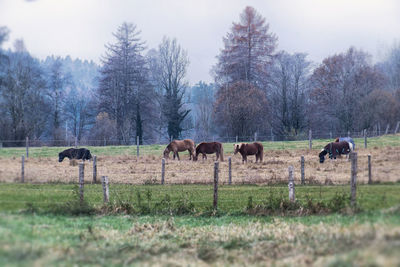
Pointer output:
x,y
387,140
232,199
31,239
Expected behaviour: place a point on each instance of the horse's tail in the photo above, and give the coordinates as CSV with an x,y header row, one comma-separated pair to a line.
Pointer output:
x,y
261,151
221,152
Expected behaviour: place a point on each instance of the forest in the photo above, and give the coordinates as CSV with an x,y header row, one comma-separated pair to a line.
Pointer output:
x,y
141,91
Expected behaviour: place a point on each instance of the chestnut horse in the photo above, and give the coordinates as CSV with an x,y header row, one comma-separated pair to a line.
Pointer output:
x,y
348,140
178,146
245,149
334,149
210,148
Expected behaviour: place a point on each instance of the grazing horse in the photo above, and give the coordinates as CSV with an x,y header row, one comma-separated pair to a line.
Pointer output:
x,y
245,149
178,146
75,153
334,149
210,148
348,140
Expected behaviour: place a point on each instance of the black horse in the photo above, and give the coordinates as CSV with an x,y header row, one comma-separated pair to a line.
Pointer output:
x,y
75,153
334,149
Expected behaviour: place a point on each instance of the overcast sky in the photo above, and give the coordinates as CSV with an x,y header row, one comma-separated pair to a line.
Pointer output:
x,y
321,28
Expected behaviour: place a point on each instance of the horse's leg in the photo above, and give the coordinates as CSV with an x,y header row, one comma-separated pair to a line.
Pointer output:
x,y
177,155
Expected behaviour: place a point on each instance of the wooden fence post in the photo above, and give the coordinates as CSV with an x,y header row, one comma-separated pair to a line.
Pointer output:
x,y
76,142
310,138
236,139
27,146
272,135
104,182
365,138
81,180
255,137
379,128
348,133
22,169
330,135
292,196
230,170
215,202
397,127
353,181
94,169
105,142
162,171
387,129
302,170
369,170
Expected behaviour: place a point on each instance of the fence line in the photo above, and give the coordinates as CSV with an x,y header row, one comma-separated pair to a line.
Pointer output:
x,y
312,134
228,174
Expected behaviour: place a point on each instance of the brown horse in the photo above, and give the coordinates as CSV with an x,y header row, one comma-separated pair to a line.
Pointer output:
x,y
245,149
334,149
210,148
178,146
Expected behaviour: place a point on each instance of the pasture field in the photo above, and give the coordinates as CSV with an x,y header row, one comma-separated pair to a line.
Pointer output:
x,y
128,169
174,225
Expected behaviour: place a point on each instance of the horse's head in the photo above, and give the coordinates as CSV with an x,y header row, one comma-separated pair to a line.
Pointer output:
x,y
322,155
166,153
61,157
195,156
88,155
236,148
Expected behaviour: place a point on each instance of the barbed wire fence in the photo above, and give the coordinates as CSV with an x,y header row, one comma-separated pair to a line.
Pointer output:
x,y
224,175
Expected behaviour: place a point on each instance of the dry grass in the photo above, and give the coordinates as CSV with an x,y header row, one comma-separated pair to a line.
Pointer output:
x,y
274,169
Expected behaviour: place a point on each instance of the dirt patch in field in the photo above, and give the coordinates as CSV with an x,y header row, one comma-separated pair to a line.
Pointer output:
x,y
147,169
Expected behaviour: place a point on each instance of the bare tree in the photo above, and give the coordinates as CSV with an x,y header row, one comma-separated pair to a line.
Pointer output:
x,y
288,93
338,85
390,68
169,71
202,97
79,111
22,94
58,80
240,109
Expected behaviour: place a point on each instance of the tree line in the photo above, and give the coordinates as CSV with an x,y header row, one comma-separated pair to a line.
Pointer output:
x,y
141,92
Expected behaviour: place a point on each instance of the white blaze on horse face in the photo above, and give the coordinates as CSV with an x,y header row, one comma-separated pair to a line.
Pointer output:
x,y
236,148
